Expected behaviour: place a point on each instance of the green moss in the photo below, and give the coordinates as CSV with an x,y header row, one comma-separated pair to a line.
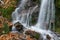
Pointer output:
x,y
5,28
37,36
57,29
57,2
57,17
7,12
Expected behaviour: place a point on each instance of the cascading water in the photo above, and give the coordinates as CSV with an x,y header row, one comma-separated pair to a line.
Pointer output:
x,y
23,17
41,18
46,15
17,12
1,2
45,20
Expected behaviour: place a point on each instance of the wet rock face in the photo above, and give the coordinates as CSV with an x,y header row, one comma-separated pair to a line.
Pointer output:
x,y
31,3
33,34
48,37
36,35
19,27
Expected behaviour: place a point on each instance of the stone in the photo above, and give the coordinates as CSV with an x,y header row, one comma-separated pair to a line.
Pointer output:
x,y
48,37
19,27
33,34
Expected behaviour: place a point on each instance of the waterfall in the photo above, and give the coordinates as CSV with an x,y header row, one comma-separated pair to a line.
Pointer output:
x,y
16,14
23,17
45,20
46,15
42,14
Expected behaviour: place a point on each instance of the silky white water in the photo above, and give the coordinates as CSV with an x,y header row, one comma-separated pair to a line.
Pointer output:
x,y
2,3
16,15
45,22
46,14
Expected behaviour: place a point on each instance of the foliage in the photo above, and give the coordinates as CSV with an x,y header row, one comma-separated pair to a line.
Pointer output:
x,y
57,3
5,28
7,12
37,36
57,17
57,30
1,29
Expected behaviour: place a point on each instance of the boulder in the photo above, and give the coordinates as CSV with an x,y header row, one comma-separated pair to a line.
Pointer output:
x,y
19,27
48,37
32,34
